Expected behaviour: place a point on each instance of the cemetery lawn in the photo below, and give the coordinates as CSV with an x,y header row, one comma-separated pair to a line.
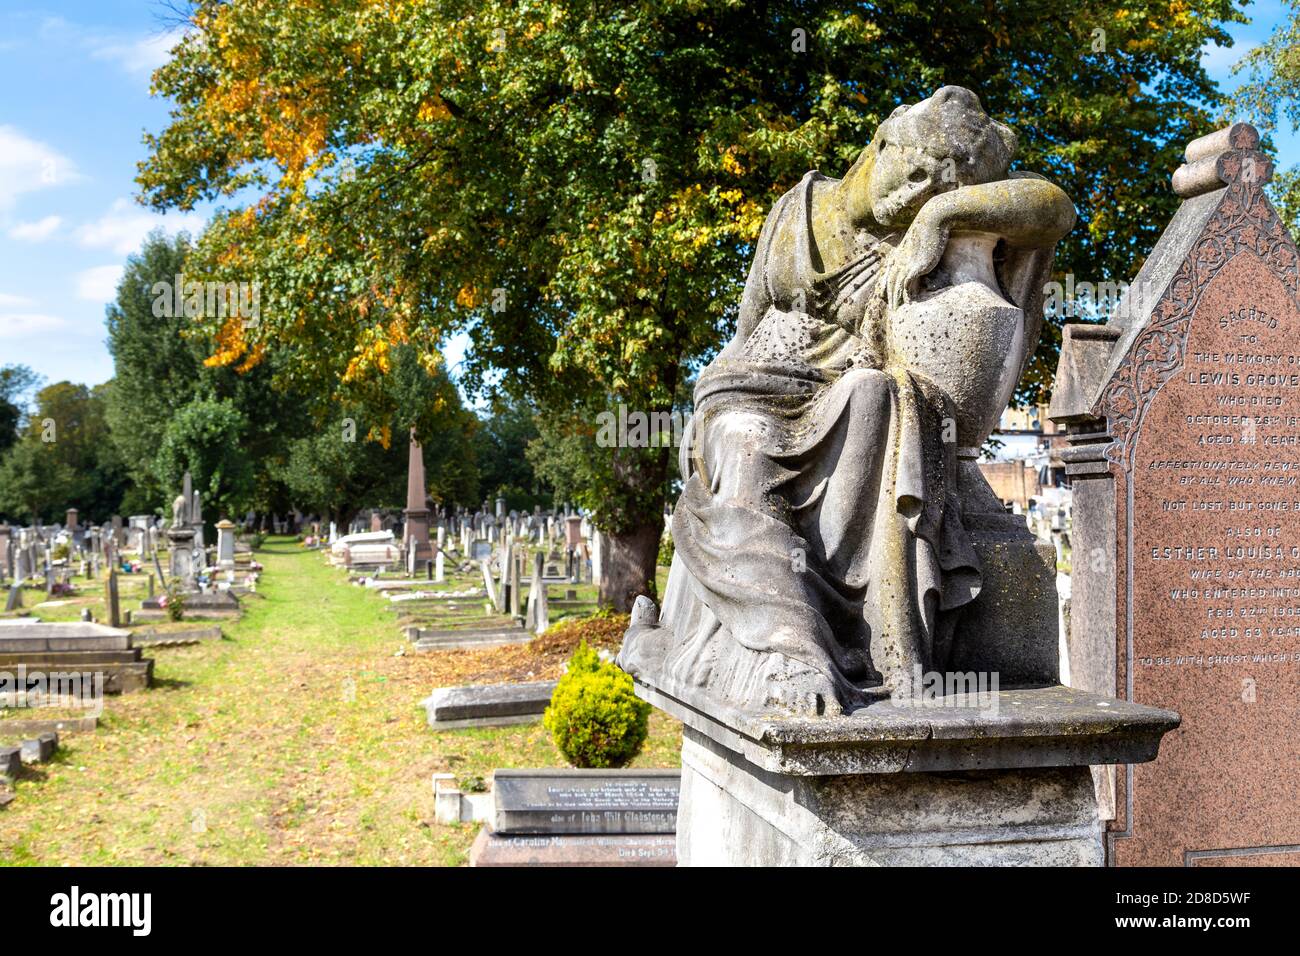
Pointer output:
x,y
298,739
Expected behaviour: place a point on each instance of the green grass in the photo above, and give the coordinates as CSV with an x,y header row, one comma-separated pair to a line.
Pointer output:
x,y
298,739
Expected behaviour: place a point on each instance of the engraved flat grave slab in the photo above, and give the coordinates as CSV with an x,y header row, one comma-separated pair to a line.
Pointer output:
x,y
487,705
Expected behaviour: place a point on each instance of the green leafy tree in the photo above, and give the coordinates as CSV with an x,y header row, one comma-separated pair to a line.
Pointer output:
x,y
580,185
505,464
1272,93
206,438
160,366
72,420
34,482
16,381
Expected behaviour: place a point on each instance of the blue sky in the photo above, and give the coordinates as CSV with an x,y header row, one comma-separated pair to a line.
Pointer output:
x,y
74,102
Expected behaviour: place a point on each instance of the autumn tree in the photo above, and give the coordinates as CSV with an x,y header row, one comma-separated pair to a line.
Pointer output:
x,y
579,185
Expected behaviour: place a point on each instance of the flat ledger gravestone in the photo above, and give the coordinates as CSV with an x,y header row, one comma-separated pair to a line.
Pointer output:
x,y
1203,401
585,801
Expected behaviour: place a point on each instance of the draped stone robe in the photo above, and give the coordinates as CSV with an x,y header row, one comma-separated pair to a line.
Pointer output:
x,y
819,524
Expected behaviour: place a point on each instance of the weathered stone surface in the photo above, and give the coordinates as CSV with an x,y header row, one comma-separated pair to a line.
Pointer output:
x,y
836,545
193,635
11,761
40,749
1037,727
486,705
429,639
61,725
1200,407
559,801
622,849
89,650
33,636
825,447
742,815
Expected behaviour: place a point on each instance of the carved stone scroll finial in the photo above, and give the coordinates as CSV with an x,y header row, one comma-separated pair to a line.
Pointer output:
x,y
1221,158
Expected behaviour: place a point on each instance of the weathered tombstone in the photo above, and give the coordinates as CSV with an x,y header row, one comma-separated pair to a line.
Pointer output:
x,y
183,567
1183,412
6,551
225,544
580,818
114,606
487,705
439,565
537,617
513,571
585,801
489,585
859,640
15,599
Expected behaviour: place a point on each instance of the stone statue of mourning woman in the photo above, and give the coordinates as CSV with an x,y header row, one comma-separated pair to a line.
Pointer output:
x,y
822,554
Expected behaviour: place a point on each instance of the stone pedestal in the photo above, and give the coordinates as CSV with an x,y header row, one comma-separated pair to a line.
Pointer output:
x,y
225,545
992,779
742,815
181,542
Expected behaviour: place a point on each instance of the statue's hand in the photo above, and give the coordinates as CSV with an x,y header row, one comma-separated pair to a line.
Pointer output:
x,y
919,252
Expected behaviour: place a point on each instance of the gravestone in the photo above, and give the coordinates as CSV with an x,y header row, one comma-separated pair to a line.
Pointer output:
x,y
1184,420
585,801
571,817
6,537
537,615
184,568
114,606
488,705
225,544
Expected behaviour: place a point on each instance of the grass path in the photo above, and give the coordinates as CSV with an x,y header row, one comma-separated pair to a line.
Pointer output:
x,y
296,740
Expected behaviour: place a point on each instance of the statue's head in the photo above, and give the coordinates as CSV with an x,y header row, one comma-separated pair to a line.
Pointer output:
x,y
931,147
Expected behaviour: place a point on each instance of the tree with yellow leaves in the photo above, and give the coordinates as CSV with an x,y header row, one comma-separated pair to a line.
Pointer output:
x,y
578,185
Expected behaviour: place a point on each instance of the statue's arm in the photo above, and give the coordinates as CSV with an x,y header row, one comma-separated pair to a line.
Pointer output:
x,y
1025,210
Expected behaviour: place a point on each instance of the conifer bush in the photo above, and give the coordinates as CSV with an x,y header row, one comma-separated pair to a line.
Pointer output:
x,y
595,718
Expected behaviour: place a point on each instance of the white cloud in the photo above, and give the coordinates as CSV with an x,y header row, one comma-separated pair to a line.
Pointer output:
x,y
27,165
139,56
99,284
123,228
17,324
135,54
14,301
37,231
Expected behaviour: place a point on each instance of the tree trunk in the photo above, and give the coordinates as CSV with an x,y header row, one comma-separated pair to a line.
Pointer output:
x,y
628,571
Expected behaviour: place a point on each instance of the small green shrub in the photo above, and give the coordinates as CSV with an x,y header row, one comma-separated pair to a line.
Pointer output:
x,y
595,718
665,558
255,541
175,601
